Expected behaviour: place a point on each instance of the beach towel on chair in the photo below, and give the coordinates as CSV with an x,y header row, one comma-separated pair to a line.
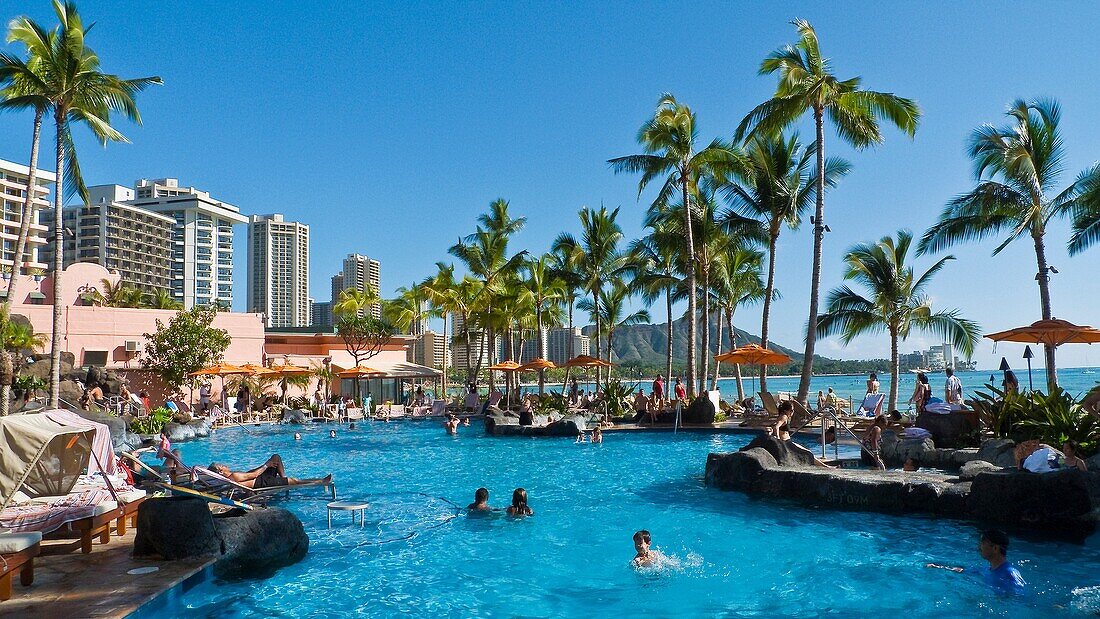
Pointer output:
x,y
872,405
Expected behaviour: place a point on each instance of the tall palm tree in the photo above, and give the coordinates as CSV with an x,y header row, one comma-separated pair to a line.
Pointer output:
x,y
896,302
356,301
485,255
1016,167
652,263
670,140
596,256
407,310
735,281
807,84
565,263
544,293
78,92
615,313
778,194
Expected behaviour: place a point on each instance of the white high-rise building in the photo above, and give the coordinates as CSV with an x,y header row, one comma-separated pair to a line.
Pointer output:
x,y
479,345
278,271
202,239
430,349
359,271
13,192
558,343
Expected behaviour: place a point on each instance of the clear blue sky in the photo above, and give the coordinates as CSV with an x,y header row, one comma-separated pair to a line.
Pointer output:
x,y
389,126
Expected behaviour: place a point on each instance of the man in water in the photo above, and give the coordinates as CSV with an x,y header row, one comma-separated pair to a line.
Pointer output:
x,y
267,475
1001,574
451,425
644,557
297,436
953,388
481,501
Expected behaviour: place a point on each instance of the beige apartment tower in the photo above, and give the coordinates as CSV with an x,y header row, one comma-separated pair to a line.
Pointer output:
x,y
278,271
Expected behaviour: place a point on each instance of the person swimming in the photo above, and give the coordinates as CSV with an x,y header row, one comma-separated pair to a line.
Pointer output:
x,y
1001,575
519,505
332,433
481,501
297,436
597,435
451,425
644,556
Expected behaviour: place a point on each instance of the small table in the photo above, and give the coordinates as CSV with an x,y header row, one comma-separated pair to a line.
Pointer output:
x,y
349,506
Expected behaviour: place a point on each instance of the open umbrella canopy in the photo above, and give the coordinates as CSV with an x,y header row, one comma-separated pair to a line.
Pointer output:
x,y
359,371
256,370
1052,332
753,354
504,366
585,361
290,369
220,369
536,365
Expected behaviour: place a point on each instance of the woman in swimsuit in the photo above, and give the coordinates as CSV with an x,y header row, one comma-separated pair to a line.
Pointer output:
x,y
519,504
1071,449
871,443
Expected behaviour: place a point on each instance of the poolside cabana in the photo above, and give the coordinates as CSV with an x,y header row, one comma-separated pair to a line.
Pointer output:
x,y
387,385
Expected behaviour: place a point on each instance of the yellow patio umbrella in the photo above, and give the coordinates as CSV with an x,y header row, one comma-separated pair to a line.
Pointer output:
x,y
256,370
359,371
753,354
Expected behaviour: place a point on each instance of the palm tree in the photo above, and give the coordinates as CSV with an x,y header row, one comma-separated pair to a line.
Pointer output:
x,y
485,255
614,313
356,301
565,263
407,311
652,262
1016,167
162,299
544,293
670,141
596,256
896,302
117,295
77,92
778,194
806,84
735,281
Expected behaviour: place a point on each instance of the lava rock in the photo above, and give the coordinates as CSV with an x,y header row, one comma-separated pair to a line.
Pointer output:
x,y
896,450
947,430
1093,463
970,470
295,416
781,451
175,528
180,432
701,411
69,391
95,377
998,451
1061,500
499,425
258,542
737,470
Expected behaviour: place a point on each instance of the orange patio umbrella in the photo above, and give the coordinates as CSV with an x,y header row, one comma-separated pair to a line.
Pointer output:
x,y
1052,332
586,361
256,370
219,369
536,365
753,354
504,366
359,371
287,370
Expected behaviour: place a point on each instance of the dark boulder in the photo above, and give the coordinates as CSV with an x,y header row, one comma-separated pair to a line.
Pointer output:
x,y
700,411
896,450
970,470
1062,500
499,425
738,470
295,416
95,377
122,439
258,542
69,391
999,451
784,454
180,432
950,430
175,528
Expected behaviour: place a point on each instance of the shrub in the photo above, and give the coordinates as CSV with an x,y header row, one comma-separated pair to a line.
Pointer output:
x,y
153,423
1052,419
552,402
617,396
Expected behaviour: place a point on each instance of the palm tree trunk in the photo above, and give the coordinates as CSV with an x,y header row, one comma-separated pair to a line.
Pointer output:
x,y
58,257
815,278
28,204
610,332
690,238
1044,302
718,349
736,366
542,353
492,346
668,306
895,363
706,329
568,347
446,347
767,305
466,332
596,316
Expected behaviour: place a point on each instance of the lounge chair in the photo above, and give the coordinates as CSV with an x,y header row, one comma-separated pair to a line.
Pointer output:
x,y
17,553
202,479
871,406
473,402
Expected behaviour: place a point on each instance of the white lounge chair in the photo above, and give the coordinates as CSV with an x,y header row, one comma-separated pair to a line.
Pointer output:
x,y
872,405
17,553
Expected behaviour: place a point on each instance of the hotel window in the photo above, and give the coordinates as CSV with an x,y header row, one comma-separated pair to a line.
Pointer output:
x,y
95,357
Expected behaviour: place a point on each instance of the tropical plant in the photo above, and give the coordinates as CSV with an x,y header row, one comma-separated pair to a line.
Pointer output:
x,y
117,295
152,423
897,302
1051,418
544,293
566,264
778,193
186,344
652,264
357,301
77,92
617,398
807,84
613,313
1016,167
407,311
597,259
670,141
735,281
161,299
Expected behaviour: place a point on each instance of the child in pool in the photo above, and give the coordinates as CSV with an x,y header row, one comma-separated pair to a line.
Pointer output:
x,y
644,557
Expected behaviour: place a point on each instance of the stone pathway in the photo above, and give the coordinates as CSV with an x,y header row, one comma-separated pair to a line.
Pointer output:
x,y
95,585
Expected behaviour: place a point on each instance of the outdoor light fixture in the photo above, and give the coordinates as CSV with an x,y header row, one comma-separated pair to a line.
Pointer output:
x,y
1028,355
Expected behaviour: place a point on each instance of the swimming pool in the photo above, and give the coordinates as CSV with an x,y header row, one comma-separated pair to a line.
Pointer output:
x,y
735,556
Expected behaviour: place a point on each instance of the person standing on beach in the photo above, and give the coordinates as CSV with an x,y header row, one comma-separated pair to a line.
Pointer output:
x,y
953,388
659,389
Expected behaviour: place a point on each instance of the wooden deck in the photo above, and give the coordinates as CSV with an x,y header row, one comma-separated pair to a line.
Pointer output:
x,y
79,585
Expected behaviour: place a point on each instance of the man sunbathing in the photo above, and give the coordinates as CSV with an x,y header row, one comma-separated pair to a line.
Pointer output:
x,y
268,475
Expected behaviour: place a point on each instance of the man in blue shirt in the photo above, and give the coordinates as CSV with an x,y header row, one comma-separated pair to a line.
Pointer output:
x,y
1001,575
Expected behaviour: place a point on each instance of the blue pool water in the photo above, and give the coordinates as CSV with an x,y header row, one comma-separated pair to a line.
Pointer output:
x,y
734,556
